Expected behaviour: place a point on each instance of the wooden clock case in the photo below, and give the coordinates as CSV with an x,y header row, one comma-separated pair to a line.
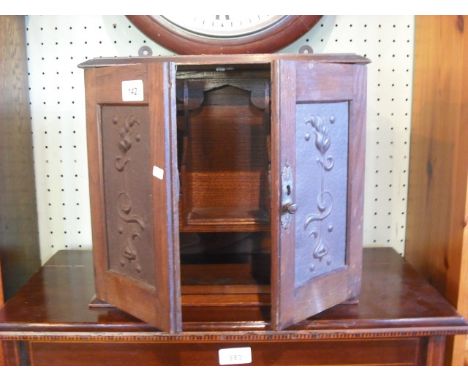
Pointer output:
x,y
282,33
234,181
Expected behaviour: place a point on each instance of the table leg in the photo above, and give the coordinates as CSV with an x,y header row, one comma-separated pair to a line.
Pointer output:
x,y
435,351
15,353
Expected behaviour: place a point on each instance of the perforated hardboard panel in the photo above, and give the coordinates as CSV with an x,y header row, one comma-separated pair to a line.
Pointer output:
x,y
57,44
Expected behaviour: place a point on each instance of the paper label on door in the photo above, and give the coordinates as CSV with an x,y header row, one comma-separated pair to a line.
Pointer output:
x,y
132,90
158,172
235,356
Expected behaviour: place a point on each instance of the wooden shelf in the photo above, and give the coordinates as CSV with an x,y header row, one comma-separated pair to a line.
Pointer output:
x,y
225,220
245,273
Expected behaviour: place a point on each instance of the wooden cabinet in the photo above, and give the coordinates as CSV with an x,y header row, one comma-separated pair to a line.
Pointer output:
x,y
226,181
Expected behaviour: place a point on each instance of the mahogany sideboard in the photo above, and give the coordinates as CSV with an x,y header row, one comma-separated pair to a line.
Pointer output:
x,y
399,320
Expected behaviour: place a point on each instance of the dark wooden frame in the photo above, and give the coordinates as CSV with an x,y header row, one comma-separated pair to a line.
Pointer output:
x,y
102,88
269,40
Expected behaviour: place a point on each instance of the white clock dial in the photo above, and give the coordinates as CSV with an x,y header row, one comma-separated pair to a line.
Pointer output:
x,y
222,25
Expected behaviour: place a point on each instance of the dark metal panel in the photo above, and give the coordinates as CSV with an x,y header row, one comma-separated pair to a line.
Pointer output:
x,y
320,188
128,194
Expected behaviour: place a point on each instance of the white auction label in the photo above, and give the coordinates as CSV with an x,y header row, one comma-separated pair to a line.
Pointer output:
x,y
235,356
158,172
132,90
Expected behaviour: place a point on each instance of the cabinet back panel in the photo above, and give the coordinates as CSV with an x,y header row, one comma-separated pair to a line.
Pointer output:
x,y
227,138
224,168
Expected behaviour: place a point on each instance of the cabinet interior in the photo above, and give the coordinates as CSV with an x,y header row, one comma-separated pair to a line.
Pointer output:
x,y
223,146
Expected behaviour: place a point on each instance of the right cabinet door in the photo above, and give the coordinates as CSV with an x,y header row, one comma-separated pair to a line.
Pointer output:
x,y
317,170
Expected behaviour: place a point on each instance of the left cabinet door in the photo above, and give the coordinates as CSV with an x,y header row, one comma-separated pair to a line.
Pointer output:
x,y
132,162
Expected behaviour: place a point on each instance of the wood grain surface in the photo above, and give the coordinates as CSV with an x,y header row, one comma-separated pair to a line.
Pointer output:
x,y
2,297
400,320
188,61
223,148
439,158
19,246
57,298
19,241
147,300
462,342
2,361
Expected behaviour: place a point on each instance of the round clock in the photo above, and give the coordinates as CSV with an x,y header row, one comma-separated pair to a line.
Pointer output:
x,y
219,34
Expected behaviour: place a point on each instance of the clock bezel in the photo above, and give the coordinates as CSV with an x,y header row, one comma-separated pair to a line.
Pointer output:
x,y
267,40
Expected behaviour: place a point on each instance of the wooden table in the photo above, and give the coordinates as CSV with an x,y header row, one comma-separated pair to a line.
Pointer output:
x,y
400,320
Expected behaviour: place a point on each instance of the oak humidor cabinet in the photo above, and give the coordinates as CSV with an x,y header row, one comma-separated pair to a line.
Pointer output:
x,y
231,180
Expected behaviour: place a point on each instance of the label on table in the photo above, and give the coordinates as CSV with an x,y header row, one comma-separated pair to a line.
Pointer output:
x,y
235,356
132,90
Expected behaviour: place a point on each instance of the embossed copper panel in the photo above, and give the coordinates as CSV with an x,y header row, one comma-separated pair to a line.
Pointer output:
x,y
127,191
320,189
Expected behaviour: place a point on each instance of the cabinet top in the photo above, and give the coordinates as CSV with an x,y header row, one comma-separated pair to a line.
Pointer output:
x,y
226,59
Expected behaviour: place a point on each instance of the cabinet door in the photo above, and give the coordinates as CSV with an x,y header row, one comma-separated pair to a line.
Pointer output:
x,y
133,187
318,117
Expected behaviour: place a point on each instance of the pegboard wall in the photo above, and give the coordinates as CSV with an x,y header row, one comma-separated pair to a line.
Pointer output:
x,y
57,44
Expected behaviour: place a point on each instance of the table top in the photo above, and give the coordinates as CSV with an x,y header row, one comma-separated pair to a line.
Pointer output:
x,y
395,301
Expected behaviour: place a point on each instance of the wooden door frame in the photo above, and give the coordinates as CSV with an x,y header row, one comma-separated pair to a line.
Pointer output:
x,y
350,86
158,302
